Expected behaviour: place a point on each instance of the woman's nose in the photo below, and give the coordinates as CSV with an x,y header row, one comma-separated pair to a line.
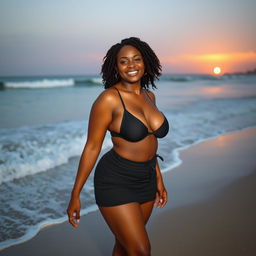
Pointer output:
x,y
130,64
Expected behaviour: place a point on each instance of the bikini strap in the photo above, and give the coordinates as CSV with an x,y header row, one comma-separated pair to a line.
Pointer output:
x,y
160,157
120,97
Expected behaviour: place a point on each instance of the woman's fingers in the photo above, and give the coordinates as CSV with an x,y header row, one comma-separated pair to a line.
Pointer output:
x,y
77,216
157,199
73,217
164,197
161,199
73,212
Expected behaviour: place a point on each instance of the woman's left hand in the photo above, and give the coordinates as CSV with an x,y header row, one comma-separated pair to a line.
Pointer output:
x,y
161,194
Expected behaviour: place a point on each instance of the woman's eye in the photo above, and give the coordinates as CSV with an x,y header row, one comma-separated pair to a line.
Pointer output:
x,y
125,62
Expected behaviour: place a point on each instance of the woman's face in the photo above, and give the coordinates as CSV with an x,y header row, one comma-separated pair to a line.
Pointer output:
x,y
130,65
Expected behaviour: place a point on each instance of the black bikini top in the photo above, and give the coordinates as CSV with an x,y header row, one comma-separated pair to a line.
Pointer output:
x,y
132,129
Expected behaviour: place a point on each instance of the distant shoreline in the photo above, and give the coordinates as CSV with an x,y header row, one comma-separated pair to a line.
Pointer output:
x,y
249,72
54,76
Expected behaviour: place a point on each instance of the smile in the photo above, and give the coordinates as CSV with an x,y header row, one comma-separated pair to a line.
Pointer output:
x,y
132,73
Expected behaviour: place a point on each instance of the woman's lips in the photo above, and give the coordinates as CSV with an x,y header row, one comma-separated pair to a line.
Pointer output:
x,y
132,73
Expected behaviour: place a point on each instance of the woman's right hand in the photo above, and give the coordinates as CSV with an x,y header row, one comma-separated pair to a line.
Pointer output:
x,y
73,211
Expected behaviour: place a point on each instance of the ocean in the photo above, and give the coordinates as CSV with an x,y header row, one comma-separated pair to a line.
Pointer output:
x,y
43,131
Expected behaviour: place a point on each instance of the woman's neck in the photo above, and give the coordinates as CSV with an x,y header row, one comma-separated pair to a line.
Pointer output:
x,y
131,87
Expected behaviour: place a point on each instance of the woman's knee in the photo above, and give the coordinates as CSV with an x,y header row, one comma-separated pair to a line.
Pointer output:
x,y
140,249
119,249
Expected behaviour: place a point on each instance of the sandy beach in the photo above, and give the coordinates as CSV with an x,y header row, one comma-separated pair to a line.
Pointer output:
x,y
211,209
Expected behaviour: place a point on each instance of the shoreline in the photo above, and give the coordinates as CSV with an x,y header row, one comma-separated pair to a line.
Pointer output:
x,y
180,149
186,156
49,223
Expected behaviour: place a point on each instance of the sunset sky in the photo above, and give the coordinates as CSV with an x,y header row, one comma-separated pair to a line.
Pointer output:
x,y
61,37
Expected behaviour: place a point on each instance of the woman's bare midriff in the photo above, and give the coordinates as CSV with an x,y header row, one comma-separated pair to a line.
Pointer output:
x,y
140,151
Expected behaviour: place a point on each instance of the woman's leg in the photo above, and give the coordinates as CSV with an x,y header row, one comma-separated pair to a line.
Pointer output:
x,y
118,249
127,222
146,209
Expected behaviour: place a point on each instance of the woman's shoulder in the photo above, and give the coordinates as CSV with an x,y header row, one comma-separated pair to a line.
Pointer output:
x,y
106,98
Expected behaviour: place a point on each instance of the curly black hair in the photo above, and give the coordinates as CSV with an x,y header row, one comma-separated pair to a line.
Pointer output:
x,y
152,64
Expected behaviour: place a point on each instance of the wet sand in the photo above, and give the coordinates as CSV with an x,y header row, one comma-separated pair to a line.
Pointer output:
x,y
211,209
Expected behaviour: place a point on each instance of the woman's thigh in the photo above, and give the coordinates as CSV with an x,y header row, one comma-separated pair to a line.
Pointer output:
x,y
127,222
146,209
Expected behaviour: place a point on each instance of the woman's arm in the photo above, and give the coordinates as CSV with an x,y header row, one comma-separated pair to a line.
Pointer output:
x,y
161,195
100,118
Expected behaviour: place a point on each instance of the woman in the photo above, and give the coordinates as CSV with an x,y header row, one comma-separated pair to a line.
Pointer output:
x,y
127,179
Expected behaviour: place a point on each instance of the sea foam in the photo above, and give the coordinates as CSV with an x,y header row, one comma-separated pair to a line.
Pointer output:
x,y
44,83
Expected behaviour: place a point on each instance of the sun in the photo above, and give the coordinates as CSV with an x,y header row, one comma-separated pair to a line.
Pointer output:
x,y
216,70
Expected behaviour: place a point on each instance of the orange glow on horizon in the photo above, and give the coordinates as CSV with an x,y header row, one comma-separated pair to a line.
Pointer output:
x,y
203,63
224,57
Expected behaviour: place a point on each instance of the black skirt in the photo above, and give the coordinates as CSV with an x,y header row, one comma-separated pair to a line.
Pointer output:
x,y
119,181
